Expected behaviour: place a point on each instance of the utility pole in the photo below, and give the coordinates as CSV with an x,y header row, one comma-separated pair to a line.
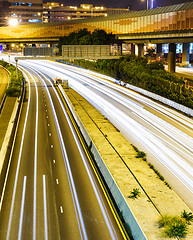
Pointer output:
x,y
16,69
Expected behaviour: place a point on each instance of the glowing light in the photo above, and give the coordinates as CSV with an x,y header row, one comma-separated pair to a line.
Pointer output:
x,y
13,22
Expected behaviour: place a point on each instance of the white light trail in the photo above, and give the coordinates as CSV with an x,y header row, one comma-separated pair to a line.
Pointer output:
x,y
77,208
19,161
22,209
171,146
45,209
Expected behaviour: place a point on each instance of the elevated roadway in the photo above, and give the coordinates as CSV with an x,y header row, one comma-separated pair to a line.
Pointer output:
x,y
160,25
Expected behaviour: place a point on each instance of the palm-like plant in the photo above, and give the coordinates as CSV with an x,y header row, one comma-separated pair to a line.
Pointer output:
x,y
187,216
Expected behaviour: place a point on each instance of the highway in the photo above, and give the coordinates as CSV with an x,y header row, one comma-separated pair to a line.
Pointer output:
x,y
163,133
51,191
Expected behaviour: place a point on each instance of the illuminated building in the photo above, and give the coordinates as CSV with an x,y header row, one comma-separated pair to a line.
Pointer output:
x,y
25,11
53,11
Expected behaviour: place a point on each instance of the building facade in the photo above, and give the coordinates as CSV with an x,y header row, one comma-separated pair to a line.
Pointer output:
x,y
24,11
54,12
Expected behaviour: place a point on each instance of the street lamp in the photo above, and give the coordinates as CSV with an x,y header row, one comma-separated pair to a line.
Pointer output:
x,y
151,6
147,3
13,22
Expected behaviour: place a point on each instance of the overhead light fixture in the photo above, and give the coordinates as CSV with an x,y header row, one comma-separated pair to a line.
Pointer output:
x,y
13,22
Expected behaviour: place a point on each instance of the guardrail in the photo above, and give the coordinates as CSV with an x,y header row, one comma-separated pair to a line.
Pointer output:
x,y
166,101
136,231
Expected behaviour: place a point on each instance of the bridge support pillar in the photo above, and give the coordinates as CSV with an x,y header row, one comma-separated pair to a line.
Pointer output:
x,y
140,50
158,50
186,53
132,49
172,57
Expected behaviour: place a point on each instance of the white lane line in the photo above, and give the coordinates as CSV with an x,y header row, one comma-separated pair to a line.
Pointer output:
x,y
45,209
61,209
22,208
89,172
19,161
80,220
35,165
57,181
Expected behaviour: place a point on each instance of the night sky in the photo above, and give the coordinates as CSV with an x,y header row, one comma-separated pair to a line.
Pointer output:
x,y
135,4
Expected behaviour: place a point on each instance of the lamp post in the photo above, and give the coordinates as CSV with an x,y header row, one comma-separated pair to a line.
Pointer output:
x,y
147,3
151,6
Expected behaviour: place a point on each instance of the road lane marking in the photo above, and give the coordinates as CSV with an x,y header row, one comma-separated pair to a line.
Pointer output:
x,y
22,208
61,209
80,220
19,159
45,209
89,172
35,165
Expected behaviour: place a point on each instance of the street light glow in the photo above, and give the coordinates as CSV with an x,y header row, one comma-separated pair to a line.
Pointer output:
x,y
13,22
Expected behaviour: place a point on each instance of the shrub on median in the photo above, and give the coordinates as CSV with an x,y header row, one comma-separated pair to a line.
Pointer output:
x,y
149,76
15,85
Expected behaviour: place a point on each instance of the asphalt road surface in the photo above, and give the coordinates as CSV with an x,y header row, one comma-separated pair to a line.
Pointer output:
x,y
51,191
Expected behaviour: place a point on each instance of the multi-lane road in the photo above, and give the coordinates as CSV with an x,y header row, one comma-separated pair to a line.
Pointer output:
x,y
51,191
165,134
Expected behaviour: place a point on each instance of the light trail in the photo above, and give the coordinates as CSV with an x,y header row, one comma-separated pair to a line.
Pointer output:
x,y
165,138
22,208
19,161
45,209
77,208
35,164
89,172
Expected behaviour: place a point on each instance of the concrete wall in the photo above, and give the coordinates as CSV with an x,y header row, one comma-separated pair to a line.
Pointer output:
x,y
85,50
38,51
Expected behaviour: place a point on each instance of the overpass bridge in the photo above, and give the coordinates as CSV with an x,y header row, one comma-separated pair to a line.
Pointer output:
x,y
171,24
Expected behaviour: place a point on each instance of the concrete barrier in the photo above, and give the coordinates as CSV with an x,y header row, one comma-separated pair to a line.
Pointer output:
x,y
166,101
7,137
127,214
